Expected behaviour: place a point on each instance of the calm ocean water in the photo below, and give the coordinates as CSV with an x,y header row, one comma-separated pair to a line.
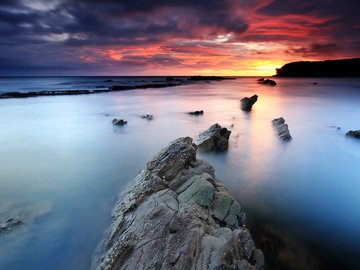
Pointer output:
x,y
63,164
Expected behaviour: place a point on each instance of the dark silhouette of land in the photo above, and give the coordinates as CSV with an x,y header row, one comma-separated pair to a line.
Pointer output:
x,y
327,68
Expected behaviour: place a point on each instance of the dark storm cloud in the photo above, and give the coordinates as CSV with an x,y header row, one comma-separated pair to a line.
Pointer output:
x,y
55,35
340,18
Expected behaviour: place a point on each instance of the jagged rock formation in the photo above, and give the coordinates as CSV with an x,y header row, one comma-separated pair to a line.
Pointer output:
x,y
328,68
215,138
247,103
281,128
119,122
353,133
176,215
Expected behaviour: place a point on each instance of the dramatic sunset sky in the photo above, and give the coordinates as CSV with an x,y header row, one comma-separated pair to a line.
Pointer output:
x,y
173,37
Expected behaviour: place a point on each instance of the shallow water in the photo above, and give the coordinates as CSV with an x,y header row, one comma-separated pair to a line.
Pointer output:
x,y
63,164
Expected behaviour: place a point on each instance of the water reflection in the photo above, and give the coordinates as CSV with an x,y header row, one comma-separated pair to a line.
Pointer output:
x,y
298,196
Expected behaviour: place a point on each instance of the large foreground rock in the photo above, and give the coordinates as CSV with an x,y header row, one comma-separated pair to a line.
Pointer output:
x,y
215,138
281,128
247,103
176,215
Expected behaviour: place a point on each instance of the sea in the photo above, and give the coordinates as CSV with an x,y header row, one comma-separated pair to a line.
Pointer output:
x,y
63,164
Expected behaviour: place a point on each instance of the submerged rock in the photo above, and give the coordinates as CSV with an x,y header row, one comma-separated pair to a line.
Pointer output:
x,y
176,215
281,128
353,133
12,215
119,122
214,138
196,112
247,103
9,224
147,116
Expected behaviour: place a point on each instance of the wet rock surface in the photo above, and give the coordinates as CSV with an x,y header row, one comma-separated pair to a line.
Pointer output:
x,y
353,133
215,138
281,128
247,103
175,215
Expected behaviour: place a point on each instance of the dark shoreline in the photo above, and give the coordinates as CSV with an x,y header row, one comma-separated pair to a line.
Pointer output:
x,y
343,68
169,82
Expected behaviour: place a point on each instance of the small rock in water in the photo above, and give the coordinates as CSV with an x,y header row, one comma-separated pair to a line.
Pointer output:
x,y
119,122
215,138
335,127
147,116
281,128
196,112
9,224
353,133
247,103
266,82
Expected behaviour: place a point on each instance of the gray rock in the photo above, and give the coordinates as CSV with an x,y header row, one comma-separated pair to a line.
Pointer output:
x,y
247,103
175,215
119,122
281,128
353,133
215,138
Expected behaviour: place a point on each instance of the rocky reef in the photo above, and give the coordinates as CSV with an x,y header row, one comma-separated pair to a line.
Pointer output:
x,y
176,215
281,128
247,103
214,138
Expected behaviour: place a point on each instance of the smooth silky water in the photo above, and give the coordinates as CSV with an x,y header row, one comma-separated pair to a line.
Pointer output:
x,y
63,164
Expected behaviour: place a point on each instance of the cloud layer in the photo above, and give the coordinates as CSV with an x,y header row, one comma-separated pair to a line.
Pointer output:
x,y
143,37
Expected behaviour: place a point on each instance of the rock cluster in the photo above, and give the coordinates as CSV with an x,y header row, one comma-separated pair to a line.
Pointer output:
x,y
353,133
177,216
247,103
281,128
214,138
119,122
147,116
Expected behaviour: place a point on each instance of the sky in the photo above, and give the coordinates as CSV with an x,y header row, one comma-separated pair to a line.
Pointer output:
x,y
173,37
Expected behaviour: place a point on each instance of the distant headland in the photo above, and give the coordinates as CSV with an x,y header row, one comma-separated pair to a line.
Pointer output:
x,y
327,68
